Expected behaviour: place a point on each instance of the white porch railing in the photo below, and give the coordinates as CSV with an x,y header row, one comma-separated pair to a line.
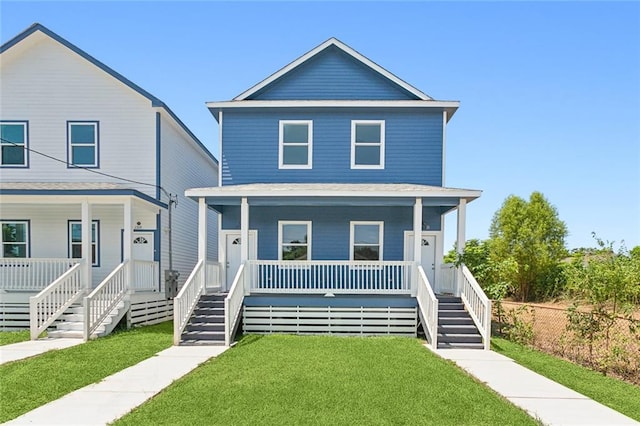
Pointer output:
x,y
448,282
50,303
477,303
330,276
31,274
213,274
187,299
233,302
428,304
145,275
111,291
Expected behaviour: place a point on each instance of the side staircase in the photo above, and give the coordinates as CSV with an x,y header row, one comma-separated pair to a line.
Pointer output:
x,y
71,323
206,325
456,329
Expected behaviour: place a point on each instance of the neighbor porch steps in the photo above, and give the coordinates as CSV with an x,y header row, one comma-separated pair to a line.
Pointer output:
x,y
456,329
206,325
71,323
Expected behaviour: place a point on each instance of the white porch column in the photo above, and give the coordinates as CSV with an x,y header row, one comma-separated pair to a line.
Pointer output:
x,y
86,243
127,244
461,238
417,230
202,229
244,230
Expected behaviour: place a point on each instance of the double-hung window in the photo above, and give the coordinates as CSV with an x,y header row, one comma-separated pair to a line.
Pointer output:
x,y
15,238
14,144
367,144
296,144
366,240
294,240
82,143
75,241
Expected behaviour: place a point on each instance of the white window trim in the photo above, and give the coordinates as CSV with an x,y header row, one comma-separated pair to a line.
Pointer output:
x,y
352,226
282,223
27,247
70,145
309,145
354,123
96,243
25,144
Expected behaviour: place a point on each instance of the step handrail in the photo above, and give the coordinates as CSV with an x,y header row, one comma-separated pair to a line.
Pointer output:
x,y
187,299
104,299
428,304
477,303
233,303
48,305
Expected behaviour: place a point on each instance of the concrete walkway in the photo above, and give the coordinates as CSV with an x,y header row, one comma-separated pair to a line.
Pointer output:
x,y
16,351
543,399
116,395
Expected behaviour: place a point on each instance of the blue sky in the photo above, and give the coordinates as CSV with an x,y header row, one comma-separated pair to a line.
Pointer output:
x,y
549,91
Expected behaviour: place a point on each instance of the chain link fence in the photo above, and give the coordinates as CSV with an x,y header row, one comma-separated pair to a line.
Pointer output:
x,y
596,339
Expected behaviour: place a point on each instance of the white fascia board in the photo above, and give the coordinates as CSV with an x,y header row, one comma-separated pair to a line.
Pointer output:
x,y
335,42
333,104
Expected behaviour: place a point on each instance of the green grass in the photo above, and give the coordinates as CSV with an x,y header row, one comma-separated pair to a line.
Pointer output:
x,y
9,337
32,382
279,380
617,394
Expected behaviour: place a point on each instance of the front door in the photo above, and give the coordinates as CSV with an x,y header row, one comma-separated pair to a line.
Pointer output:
x,y
428,255
143,246
232,250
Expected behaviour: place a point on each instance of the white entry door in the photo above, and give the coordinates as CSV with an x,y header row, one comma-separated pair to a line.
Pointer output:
x,y
143,246
233,243
428,255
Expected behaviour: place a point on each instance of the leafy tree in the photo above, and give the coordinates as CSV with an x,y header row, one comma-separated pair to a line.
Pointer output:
x,y
530,235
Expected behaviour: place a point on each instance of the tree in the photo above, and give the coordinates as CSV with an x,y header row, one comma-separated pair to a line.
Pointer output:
x,y
531,236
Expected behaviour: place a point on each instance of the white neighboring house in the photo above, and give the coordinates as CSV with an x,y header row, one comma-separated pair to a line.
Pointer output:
x,y
88,160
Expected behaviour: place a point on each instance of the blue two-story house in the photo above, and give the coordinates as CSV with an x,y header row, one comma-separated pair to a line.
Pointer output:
x,y
329,169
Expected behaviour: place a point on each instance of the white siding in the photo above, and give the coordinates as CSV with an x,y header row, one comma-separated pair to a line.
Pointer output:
x,y
184,166
47,84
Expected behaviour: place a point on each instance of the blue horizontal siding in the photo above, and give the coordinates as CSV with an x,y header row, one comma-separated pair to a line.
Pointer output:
x,y
413,146
333,74
330,227
339,301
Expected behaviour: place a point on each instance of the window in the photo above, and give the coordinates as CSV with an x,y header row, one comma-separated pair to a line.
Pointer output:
x,y
294,240
296,144
367,144
366,240
75,241
82,140
15,238
13,144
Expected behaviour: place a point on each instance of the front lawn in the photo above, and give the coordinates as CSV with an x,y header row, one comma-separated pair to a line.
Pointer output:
x,y
9,337
32,382
327,380
617,394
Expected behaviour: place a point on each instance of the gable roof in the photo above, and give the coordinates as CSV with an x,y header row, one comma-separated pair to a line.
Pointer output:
x,y
155,102
346,49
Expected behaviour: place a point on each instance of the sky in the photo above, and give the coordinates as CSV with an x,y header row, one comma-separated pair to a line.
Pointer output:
x,y
549,91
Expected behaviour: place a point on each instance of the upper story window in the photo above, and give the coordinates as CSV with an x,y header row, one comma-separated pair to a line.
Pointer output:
x,y
13,144
15,238
367,144
294,240
296,144
82,142
367,240
75,241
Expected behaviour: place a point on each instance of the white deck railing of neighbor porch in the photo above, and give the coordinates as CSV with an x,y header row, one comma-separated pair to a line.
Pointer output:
x,y
187,299
53,300
104,299
428,304
145,275
332,276
29,274
477,303
233,302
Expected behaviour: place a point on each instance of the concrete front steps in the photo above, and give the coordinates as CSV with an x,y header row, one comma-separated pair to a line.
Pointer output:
x,y
71,323
456,329
206,325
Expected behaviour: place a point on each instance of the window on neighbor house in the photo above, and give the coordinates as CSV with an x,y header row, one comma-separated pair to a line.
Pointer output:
x,y
15,238
366,240
367,144
294,240
296,144
82,143
13,144
75,241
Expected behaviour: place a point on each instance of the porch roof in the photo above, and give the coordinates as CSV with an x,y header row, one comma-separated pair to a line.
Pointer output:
x,y
351,194
70,192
